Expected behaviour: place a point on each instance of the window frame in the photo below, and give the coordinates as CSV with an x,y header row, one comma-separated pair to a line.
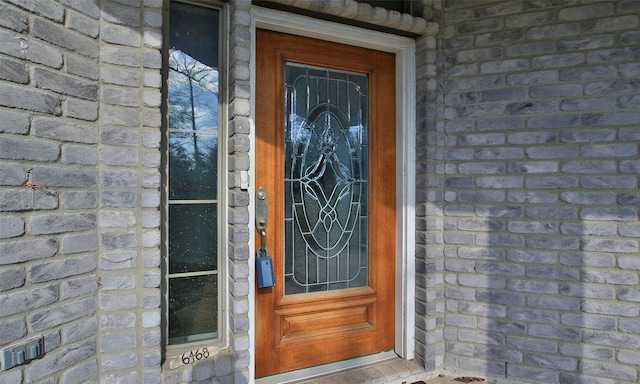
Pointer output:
x,y
174,350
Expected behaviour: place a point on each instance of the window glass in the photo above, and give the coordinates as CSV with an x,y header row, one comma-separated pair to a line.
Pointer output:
x,y
192,237
192,172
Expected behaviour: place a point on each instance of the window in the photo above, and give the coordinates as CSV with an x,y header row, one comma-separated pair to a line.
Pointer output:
x,y
192,208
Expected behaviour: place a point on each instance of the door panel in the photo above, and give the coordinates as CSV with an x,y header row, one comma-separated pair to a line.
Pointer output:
x,y
325,154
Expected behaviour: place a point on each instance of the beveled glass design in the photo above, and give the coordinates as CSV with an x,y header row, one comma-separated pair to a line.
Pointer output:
x,y
326,172
192,170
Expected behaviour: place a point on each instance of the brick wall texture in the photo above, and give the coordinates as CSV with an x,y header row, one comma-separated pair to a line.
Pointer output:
x,y
527,227
80,181
528,192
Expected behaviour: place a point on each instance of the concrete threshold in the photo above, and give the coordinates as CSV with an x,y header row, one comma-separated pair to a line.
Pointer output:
x,y
384,369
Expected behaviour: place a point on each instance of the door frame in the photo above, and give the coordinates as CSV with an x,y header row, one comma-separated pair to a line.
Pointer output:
x,y
404,49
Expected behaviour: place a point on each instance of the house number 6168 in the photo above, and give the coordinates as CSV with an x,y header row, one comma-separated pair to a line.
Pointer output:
x,y
192,357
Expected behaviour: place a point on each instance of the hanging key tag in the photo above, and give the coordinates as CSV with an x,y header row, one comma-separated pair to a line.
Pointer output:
x,y
264,268
264,264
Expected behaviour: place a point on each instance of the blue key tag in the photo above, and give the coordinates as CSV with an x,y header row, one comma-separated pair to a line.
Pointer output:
x,y
264,269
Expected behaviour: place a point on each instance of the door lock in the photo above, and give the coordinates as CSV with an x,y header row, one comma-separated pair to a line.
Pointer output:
x,y
264,264
262,211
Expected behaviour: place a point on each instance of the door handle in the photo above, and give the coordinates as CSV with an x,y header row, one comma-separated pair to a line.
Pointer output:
x,y
264,264
262,215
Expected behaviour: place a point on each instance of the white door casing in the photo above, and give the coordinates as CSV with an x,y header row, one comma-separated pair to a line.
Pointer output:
x,y
404,49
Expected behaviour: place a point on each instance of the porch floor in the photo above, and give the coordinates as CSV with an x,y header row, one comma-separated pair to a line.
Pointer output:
x,y
392,371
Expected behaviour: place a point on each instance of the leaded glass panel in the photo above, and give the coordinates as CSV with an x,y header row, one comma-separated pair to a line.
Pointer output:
x,y
326,186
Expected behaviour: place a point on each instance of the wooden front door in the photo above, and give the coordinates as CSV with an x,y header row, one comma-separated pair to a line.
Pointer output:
x,y
325,155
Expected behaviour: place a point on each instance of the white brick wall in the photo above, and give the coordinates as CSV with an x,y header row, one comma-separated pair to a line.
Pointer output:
x,y
531,198
527,189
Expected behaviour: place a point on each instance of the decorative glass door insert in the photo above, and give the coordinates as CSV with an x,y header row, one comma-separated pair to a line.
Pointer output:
x,y
326,185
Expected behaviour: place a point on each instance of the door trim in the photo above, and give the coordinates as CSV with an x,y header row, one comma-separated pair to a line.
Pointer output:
x,y
404,49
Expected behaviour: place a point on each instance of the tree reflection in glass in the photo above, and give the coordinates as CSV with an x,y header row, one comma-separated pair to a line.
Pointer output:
x,y
193,126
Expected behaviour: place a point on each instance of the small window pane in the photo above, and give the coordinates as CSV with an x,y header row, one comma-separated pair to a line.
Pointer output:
x,y
193,171
194,30
192,301
193,232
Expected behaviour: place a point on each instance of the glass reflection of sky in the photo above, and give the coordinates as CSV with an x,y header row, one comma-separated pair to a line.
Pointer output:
x,y
191,80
